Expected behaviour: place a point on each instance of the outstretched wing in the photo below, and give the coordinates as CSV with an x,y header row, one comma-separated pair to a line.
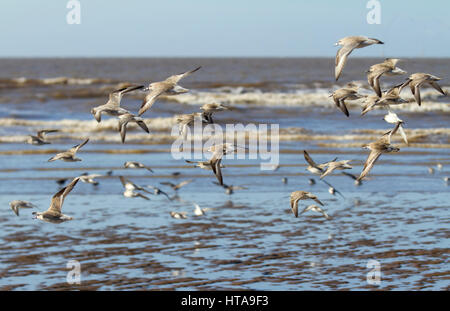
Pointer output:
x,y
58,198
371,159
217,171
437,87
178,77
152,96
41,133
75,149
308,159
341,59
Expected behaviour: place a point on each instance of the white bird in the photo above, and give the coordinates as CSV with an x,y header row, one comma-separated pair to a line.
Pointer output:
x,y
178,215
198,211
392,118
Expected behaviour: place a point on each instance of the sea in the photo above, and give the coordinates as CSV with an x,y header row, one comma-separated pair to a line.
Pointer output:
x,y
392,232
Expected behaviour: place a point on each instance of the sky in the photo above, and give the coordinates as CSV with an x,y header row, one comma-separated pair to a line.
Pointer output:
x,y
227,28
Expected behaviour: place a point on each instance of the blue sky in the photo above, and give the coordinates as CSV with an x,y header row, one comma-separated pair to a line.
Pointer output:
x,y
231,28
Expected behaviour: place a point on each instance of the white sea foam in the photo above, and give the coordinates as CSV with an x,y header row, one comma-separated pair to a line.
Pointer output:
x,y
431,100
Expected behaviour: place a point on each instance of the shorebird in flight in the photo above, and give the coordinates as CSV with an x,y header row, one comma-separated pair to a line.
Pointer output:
x,y
388,67
229,189
350,92
112,107
206,165
53,214
348,45
178,215
17,204
316,169
335,165
382,145
218,151
301,195
130,189
209,109
69,155
133,164
354,177
185,120
390,97
39,139
176,187
416,80
198,211
157,191
126,118
167,87
315,208
332,190
89,178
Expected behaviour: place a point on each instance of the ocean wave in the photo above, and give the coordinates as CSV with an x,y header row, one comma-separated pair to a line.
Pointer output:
x,y
319,98
23,81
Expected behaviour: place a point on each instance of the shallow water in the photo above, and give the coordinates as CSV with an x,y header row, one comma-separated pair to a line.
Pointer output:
x,y
248,240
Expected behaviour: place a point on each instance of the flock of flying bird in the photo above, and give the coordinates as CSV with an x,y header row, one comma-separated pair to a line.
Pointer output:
x,y
170,87
379,99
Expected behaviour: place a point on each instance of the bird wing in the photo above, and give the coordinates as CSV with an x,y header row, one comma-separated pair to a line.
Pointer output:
x,y
123,131
124,181
58,198
41,133
341,58
143,126
294,206
371,159
168,184
349,175
337,191
151,97
328,171
416,92
143,196
309,159
178,77
402,132
215,165
343,108
437,87
74,149
183,183
317,200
